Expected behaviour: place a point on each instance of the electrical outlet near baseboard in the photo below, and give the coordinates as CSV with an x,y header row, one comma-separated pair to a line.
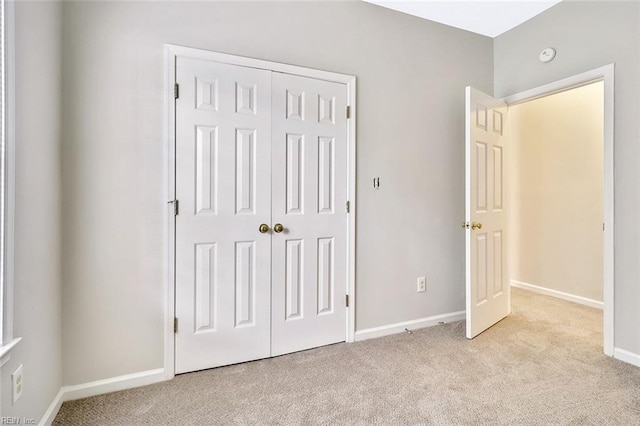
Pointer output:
x,y
422,284
16,383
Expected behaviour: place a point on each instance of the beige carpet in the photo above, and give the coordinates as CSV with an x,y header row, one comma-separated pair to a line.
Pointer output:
x,y
542,365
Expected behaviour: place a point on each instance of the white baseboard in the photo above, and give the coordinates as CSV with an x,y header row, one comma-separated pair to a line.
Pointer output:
x,y
386,330
85,390
53,409
558,294
626,356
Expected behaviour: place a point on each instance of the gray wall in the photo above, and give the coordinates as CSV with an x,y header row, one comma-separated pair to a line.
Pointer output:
x,y
37,222
411,78
588,35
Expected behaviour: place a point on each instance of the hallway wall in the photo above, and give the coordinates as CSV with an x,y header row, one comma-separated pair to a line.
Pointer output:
x,y
556,191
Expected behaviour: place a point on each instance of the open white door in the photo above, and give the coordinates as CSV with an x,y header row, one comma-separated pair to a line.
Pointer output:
x,y
487,290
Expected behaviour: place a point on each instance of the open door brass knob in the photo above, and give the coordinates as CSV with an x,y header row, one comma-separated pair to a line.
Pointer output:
x,y
264,228
476,225
278,228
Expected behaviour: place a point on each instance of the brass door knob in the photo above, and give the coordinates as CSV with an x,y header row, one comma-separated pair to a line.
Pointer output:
x,y
278,228
263,228
476,225
465,225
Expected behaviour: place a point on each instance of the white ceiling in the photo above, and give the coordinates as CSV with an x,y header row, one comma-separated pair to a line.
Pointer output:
x,y
489,18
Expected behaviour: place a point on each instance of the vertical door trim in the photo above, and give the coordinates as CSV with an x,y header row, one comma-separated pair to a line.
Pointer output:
x,y
172,53
170,137
605,74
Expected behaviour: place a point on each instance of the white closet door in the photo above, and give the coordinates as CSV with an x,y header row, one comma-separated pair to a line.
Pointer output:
x,y
223,183
309,171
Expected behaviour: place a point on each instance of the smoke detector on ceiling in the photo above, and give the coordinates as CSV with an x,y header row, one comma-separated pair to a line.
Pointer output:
x,y
547,55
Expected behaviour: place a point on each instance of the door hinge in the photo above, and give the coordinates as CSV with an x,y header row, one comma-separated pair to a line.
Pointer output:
x,y
346,300
176,91
175,206
175,325
348,206
348,111
603,226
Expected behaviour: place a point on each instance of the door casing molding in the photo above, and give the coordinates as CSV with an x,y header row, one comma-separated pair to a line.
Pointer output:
x,y
172,53
606,75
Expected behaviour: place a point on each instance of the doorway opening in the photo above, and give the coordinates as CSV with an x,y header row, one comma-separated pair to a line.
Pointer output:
x,y
557,197
593,224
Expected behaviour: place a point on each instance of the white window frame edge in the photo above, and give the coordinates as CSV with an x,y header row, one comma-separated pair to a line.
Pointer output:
x,y
8,340
172,52
606,74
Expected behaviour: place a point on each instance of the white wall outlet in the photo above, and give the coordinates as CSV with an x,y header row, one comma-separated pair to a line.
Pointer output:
x,y
422,284
17,384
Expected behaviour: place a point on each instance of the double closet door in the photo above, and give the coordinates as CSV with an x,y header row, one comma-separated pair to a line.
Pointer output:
x,y
261,233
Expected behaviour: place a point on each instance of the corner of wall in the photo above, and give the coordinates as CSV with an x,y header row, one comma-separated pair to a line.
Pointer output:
x,y
37,251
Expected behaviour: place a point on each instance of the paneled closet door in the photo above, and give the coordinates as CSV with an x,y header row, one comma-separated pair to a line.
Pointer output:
x,y
309,174
223,184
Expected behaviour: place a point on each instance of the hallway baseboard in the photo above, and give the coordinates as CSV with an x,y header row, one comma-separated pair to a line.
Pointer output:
x,y
558,294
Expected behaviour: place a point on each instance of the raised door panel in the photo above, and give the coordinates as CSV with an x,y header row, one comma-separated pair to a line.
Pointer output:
x,y
295,173
206,163
245,284
206,94
481,269
326,276
206,282
294,280
246,97
481,183
498,179
326,174
245,176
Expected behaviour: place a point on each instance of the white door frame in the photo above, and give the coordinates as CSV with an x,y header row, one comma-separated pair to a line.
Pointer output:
x,y
172,52
605,74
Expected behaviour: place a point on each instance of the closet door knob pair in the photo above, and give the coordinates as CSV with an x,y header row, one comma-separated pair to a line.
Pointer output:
x,y
264,228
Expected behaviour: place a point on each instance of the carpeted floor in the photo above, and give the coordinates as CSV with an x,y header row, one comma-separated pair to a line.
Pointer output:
x,y
542,365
